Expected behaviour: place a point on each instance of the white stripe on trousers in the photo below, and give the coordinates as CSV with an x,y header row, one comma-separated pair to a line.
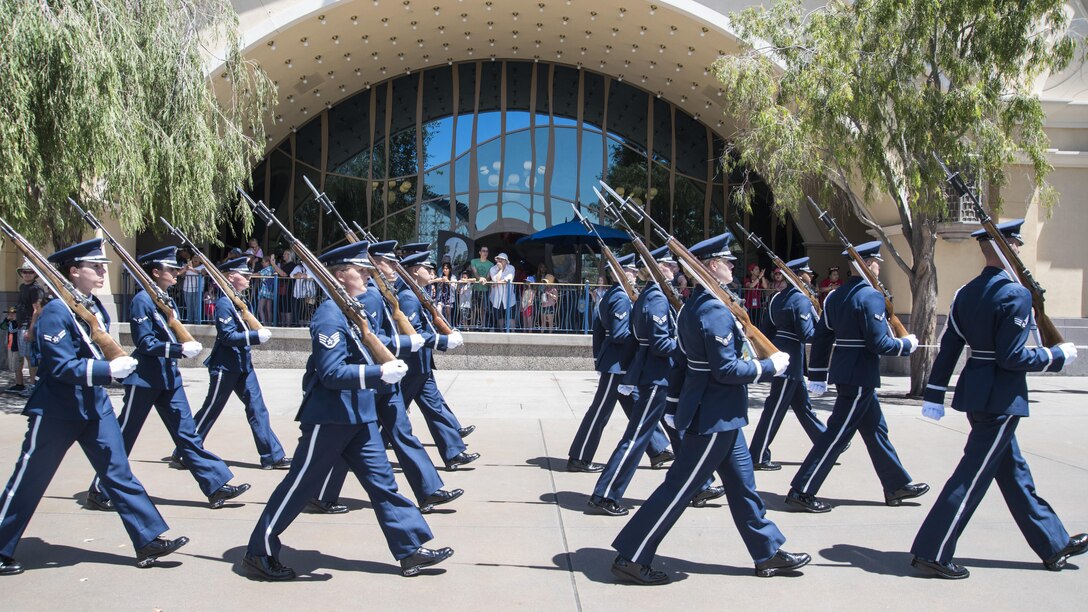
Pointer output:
x,y
845,423
627,452
970,489
128,414
608,387
22,468
770,424
679,496
325,485
291,491
215,396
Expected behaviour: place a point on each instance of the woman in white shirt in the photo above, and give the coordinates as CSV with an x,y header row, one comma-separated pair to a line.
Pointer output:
x,y
502,292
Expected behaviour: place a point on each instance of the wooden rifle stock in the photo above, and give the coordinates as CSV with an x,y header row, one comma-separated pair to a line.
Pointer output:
x,y
440,324
655,272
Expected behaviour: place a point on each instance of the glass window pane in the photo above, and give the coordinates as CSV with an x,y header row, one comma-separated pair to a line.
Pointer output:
x,y
518,166
402,154
434,216
490,86
379,93
627,112
308,142
663,131
487,212
594,100
488,128
462,169
349,129
436,183
566,164
541,156
688,210
349,196
490,170
627,171
437,94
358,166
437,140
402,226
566,93
590,171
519,77
690,146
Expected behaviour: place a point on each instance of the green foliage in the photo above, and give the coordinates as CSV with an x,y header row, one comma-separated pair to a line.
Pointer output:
x,y
109,101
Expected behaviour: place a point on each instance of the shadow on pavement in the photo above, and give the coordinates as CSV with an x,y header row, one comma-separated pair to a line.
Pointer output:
x,y
775,501
596,565
553,464
35,553
306,564
888,563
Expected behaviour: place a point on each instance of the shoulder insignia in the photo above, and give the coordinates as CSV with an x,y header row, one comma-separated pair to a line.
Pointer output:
x,y
413,316
329,341
224,320
373,314
621,315
879,316
805,317
726,340
139,320
1020,322
57,338
660,320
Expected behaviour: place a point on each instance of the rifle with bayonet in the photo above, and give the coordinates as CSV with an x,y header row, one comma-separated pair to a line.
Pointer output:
x,y
791,276
859,264
761,345
1048,332
161,300
217,277
57,282
352,308
609,256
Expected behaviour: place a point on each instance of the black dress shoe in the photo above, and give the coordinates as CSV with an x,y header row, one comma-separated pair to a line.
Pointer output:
x,y
97,500
323,507
438,498
577,465
948,571
907,492
782,561
284,463
629,571
806,502
1077,545
159,547
611,507
176,463
767,466
226,492
423,557
659,460
464,458
267,568
465,431
707,494
9,566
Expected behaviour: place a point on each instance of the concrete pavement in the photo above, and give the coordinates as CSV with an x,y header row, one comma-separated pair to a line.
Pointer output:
x,y
521,535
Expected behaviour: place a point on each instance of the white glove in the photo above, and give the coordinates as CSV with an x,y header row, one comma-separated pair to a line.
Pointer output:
x,y
191,348
393,371
1069,350
625,389
670,420
816,388
417,342
454,340
932,410
781,361
263,335
122,366
912,342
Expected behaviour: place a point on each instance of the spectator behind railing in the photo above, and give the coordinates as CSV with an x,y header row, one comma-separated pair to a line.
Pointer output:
x,y
267,280
502,297
442,292
192,289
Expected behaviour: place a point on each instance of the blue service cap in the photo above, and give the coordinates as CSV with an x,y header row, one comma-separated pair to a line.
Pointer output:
x,y
418,259
415,247
627,261
713,248
869,250
166,257
238,264
354,254
1009,229
89,251
385,248
662,255
799,265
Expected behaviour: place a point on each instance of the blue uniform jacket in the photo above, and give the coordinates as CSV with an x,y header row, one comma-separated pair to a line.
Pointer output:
x,y
233,340
654,328
613,344
340,378
714,394
71,370
424,326
381,324
852,335
789,324
992,315
157,350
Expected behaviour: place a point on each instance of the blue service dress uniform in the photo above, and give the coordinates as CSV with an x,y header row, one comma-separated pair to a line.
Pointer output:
x,y
846,348
70,405
339,425
613,349
711,410
789,324
991,315
157,382
231,367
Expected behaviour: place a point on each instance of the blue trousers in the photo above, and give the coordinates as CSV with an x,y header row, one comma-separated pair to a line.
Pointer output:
x,y
209,470
644,422
856,410
441,422
588,437
786,394
361,448
700,455
991,454
47,441
246,387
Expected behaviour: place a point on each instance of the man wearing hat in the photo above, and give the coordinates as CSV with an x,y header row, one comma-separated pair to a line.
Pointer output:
x,y
613,349
846,348
502,296
991,315
28,307
231,367
711,410
789,324
338,419
157,382
70,405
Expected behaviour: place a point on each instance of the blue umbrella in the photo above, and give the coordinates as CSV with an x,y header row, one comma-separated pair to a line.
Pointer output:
x,y
573,233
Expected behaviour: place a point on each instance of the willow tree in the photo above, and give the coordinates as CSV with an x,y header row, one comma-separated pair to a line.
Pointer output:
x,y
110,101
862,93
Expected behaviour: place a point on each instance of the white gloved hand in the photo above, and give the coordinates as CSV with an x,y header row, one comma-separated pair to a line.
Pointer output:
x,y
932,410
191,348
625,389
417,342
1069,350
263,335
455,340
912,342
781,361
122,366
816,388
670,420
393,371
